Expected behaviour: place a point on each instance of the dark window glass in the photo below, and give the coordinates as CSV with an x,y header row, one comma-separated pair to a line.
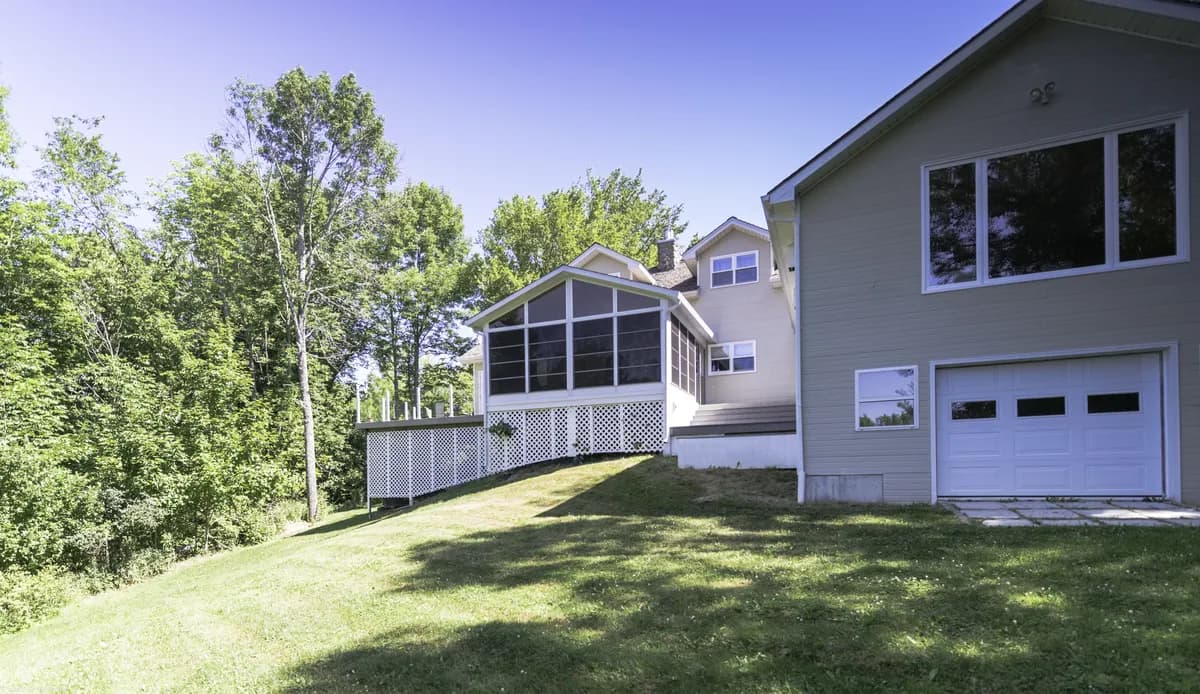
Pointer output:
x,y
1041,407
894,413
722,272
628,301
693,361
639,348
973,409
746,268
1114,402
593,347
548,357
506,361
590,299
549,306
952,224
678,368
1146,205
1046,209
515,317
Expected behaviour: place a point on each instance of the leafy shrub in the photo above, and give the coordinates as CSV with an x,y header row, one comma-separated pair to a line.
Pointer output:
x,y
26,598
145,563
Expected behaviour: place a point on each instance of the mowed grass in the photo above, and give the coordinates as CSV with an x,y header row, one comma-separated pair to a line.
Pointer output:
x,y
632,575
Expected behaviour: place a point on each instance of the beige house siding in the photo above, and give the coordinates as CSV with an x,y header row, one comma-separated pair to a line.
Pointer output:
x,y
748,312
860,252
607,265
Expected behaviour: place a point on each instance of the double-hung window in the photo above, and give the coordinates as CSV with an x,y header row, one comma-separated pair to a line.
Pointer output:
x,y
737,268
1105,202
732,357
885,398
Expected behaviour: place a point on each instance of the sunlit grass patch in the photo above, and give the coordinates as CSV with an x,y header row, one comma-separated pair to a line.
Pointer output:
x,y
633,575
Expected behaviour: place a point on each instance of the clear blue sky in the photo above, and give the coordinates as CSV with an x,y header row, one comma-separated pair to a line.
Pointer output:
x,y
714,101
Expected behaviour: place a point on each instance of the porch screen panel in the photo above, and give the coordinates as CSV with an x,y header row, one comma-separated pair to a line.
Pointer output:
x,y
639,348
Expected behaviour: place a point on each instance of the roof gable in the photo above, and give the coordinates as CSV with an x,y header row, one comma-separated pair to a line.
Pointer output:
x,y
636,269
556,277
1177,21
729,225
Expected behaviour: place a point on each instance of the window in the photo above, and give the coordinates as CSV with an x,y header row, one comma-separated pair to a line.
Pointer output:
x,y
593,353
885,398
1107,403
601,337
1100,203
685,360
973,409
731,357
1041,407
639,348
547,356
739,268
506,361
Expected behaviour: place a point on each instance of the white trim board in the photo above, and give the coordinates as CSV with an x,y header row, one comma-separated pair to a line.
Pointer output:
x,y
1172,475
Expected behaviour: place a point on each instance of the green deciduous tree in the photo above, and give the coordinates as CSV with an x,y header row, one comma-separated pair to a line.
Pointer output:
x,y
316,155
423,281
528,237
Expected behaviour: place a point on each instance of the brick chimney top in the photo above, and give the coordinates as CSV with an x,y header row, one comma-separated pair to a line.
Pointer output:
x,y
668,255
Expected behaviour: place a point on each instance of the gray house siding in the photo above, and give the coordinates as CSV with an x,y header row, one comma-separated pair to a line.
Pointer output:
x,y
756,312
860,251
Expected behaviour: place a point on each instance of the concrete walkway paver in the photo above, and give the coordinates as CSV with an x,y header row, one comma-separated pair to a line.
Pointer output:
x,y
1053,512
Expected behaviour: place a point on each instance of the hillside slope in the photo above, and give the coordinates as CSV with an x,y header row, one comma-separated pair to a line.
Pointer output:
x,y
632,575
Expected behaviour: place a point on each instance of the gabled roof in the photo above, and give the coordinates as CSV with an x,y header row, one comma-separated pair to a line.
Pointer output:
x,y
564,272
731,224
636,269
1172,20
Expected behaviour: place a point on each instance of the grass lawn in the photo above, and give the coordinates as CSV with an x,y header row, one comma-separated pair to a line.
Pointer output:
x,y
632,575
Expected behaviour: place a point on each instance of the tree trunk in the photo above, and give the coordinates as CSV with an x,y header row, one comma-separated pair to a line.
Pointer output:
x,y
310,437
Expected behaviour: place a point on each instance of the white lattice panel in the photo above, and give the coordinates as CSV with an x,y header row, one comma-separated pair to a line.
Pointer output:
x,y
539,425
606,421
422,461
563,445
643,423
399,450
441,469
506,452
468,465
377,463
413,462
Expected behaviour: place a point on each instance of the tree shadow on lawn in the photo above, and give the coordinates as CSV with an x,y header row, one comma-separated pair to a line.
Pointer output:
x,y
726,595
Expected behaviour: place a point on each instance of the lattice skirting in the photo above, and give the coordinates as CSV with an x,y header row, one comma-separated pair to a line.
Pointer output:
x,y
411,462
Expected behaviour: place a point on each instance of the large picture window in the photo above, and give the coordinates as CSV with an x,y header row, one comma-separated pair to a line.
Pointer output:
x,y
885,398
1101,203
577,334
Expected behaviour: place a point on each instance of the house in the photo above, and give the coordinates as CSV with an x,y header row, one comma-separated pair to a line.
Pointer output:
x,y
992,274
606,355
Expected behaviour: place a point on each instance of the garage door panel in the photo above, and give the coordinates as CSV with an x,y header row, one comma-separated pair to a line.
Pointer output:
x,y
1109,451
974,444
1041,479
1104,440
1042,442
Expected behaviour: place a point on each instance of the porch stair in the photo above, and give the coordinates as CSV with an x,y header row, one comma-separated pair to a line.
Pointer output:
x,y
721,419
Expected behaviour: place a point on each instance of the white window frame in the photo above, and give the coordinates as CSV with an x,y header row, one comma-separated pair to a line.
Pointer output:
x,y
916,398
712,262
612,315
729,346
1111,214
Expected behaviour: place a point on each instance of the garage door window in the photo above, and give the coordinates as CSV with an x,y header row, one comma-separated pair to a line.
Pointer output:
x,y
973,409
1042,407
885,398
1106,403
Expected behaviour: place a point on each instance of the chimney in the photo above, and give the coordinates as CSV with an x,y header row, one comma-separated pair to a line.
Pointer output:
x,y
668,257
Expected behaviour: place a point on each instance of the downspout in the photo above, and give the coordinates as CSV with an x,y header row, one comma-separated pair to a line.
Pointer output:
x,y
800,476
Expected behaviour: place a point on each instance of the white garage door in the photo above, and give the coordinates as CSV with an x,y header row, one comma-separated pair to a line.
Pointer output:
x,y
1067,427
